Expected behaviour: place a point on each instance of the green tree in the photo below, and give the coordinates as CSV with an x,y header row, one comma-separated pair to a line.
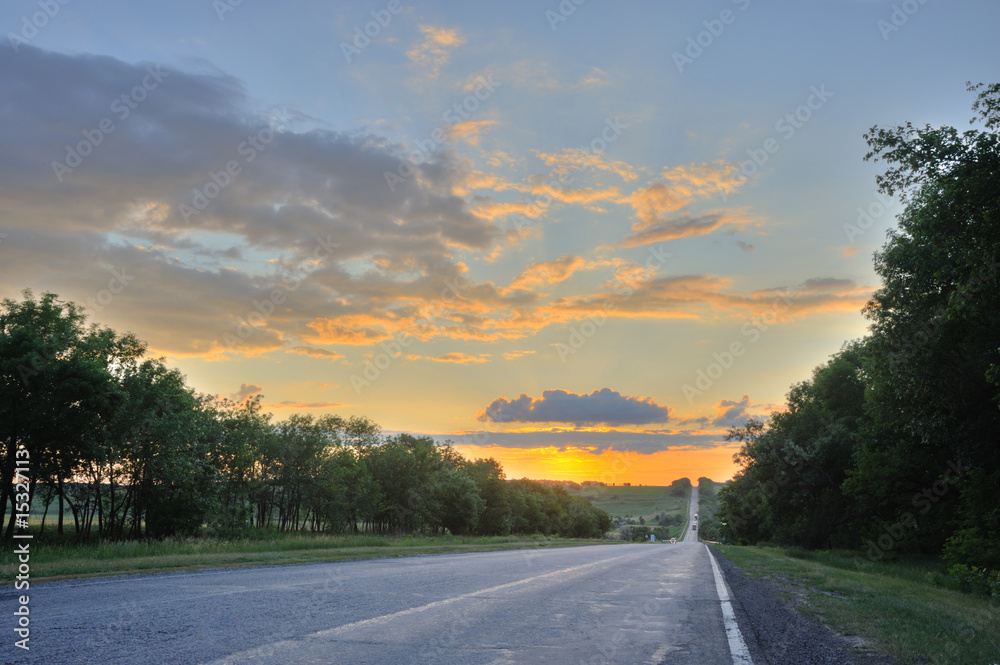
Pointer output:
x,y
933,354
55,390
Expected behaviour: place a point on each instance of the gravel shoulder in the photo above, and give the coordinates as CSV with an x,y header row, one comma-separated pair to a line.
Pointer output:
x,y
777,634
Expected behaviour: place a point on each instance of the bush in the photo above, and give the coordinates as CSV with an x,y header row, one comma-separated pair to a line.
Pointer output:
x,y
978,581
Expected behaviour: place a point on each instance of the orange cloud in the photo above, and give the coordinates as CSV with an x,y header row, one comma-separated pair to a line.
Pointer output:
x,y
435,51
455,357
315,352
548,272
578,160
343,331
681,227
469,131
679,187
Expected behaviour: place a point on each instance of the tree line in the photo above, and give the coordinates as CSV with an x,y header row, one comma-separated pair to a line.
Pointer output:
x,y
120,445
892,445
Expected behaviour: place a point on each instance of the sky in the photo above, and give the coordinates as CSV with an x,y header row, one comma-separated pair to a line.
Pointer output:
x,y
584,238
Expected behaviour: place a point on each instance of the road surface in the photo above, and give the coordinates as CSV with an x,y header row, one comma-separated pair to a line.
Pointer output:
x,y
641,603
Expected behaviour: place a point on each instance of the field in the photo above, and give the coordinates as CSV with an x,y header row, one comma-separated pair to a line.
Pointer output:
x,y
891,606
648,502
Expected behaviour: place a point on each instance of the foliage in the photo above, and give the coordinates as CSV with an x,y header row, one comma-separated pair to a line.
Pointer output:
x,y
891,445
134,453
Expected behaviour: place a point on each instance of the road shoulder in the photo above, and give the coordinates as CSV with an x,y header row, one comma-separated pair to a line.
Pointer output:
x,y
776,633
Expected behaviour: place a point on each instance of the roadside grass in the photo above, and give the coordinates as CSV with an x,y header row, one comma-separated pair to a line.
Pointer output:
x,y
892,605
53,560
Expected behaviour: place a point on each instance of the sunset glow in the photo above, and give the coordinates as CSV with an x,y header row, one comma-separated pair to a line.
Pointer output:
x,y
572,242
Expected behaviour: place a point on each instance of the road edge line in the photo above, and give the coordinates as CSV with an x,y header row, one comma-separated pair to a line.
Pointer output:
x,y
737,646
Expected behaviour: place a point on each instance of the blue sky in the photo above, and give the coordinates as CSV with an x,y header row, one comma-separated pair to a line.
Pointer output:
x,y
579,228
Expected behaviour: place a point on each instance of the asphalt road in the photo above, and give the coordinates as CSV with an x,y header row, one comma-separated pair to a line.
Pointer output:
x,y
642,603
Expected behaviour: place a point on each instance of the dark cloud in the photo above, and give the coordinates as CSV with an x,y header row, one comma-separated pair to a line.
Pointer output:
x,y
828,284
732,414
672,229
596,442
604,406
246,390
300,204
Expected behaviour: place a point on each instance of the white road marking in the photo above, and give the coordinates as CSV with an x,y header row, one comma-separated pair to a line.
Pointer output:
x,y
737,647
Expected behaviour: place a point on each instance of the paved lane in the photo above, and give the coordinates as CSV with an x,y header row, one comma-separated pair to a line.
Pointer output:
x,y
643,603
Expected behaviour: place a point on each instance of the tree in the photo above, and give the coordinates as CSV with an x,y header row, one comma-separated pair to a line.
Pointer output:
x,y
56,389
934,350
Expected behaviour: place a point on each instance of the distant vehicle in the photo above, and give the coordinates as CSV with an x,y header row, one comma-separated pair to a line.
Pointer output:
x,y
673,541
694,527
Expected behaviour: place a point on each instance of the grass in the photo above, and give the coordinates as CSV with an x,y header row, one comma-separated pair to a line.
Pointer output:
x,y
893,606
59,561
646,502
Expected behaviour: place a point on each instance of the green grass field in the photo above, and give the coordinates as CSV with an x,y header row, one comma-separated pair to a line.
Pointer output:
x,y
50,560
646,502
890,606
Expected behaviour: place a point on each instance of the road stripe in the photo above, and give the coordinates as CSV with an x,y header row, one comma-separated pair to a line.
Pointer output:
x,y
737,647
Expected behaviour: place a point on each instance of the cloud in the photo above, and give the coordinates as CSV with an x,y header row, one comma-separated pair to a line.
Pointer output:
x,y
304,405
310,205
604,406
732,414
316,352
595,78
246,390
709,297
682,227
434,52
678,188
469,131
454,357
548,272
827,284
593,441
578,160
745,246
510,355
